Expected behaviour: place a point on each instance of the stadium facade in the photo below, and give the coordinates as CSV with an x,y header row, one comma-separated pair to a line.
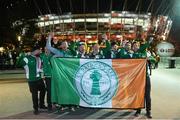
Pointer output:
x,y
117,25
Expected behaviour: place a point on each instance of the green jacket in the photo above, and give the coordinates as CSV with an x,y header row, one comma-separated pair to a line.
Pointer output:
x,y
142,49
46,65
137,55
123,53
72,48
20,59
107,50
32,66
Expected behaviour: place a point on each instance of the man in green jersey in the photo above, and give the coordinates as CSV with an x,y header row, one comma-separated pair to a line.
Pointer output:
x,y
32,66
45,57
140,51
125,52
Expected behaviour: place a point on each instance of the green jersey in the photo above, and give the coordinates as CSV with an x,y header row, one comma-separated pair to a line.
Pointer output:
x,y
46,65
32,66
107,50
123,53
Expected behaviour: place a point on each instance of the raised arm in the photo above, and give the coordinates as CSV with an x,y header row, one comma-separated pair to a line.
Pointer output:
x,y
53,50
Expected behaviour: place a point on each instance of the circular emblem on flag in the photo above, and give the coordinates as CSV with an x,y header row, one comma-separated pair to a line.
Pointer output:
x,y
96,82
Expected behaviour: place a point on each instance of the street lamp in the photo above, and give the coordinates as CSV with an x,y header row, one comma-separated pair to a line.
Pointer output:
x,y
20,41
19,38
1,49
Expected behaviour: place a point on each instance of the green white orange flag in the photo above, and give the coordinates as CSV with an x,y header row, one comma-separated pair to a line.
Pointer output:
x,y
101,83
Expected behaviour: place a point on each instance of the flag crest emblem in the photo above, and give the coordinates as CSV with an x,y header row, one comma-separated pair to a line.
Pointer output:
x,y
103,81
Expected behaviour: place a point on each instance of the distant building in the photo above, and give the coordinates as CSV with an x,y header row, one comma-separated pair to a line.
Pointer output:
x,y
117,25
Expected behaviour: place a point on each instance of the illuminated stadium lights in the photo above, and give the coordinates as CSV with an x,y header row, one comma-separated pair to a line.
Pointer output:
x,y
107,15
56,22
88,36
41,24
113,24
91,20
46,23
103,20
68,21
79,20
119,36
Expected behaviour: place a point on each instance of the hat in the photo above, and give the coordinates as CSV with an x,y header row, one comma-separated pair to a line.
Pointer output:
x,y
113,43
36,46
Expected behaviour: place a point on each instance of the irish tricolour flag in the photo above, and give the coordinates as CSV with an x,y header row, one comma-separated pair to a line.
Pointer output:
x,y
99,83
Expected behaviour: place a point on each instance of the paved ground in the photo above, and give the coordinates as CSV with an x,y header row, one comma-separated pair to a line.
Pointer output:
x,y
15,100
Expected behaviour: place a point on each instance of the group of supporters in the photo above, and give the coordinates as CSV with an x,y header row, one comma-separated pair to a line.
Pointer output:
x,y
106,49
38,67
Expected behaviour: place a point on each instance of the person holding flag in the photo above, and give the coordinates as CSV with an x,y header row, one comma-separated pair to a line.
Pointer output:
x,y
47,71
32,66
140,51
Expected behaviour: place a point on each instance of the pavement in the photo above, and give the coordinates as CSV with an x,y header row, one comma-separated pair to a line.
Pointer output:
x,y
15,99
15,74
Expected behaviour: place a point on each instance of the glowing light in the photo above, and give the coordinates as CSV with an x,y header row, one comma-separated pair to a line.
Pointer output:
x,y
88,36
19,38
163,37
119,36
1,49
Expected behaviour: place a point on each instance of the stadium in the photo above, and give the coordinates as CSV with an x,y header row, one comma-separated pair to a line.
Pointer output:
x,y
117,25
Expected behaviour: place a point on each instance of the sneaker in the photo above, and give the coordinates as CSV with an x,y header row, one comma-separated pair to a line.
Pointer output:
x,y
43,107
49,109
148,115
36,112
62,108
72,109
137,113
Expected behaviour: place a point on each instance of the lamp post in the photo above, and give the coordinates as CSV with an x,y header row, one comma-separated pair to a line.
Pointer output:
x,y
20,41
1,49
19,38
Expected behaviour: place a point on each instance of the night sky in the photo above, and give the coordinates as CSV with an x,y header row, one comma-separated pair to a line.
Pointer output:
x,y
31,8
11,10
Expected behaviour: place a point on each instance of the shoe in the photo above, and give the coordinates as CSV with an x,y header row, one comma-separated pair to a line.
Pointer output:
x,y
148,115
62,108
49,108
72,109
36,112
43,107
137,113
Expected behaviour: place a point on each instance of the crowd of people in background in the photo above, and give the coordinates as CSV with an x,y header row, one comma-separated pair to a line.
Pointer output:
x,y
8,59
